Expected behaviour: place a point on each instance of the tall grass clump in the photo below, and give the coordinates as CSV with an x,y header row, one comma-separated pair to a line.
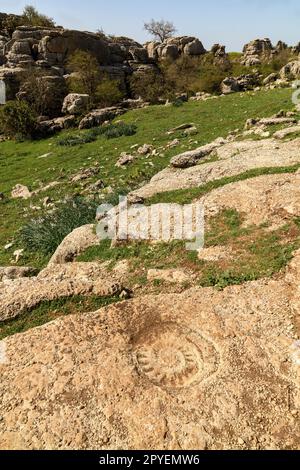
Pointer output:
x,y
45,233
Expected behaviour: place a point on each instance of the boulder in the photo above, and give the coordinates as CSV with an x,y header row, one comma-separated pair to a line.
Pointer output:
x,y
170,52
75,103
191,158
51,126
20,192
270,79
291,71
230,85
98,116
124,159
256,51
194,48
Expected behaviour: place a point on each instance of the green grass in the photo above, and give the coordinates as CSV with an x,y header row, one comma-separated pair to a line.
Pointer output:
x,y
49,311
19,162
257,251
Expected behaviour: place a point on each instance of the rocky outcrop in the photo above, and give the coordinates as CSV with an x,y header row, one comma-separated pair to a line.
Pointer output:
x,y
55,282
99,116
234,158
241,83
256,51
291,71
173,48
49,50
221,58
51,126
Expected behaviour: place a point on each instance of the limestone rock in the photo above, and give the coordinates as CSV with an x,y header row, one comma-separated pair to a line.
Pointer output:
x,y
281,134
191,158
55,282
75,243
145,149
167,275
99,116
15,272
291,70
256,51
234,158
124,160
20,192
75,103
134,375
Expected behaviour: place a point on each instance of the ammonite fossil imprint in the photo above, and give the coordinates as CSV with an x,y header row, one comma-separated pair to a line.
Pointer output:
x,y
170,355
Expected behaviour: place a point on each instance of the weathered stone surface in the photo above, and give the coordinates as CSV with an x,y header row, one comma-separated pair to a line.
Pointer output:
x,y
291,70
167,275
54,282
75,243
234,158
229,85
172,48
75,103
20,192
286,132
270,78
191,158
125,159
269,198
241,83
256,51
194,48
50,126
99,116
15,272
205,369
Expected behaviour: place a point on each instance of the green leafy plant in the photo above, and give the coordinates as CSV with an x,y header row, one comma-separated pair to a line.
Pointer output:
x,y
45,233
17,119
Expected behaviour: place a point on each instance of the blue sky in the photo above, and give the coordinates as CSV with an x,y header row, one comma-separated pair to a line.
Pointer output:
x,y
230,22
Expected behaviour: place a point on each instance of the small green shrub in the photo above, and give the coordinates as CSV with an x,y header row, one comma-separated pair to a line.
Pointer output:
x,y
151,87
111,131
45,233
108,93
78,139
17,119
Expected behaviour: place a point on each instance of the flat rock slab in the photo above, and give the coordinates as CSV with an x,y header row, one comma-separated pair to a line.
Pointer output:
x,y
204,369
286,132
234,159
55,282
268,198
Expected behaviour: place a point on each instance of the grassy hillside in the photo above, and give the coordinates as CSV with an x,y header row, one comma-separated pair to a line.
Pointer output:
x,y
20,163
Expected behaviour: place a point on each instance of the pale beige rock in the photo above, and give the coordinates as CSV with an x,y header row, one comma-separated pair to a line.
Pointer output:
x,y
75,243
167,275
20,192
286,132
201,370
269,198
54,282
15,272
215,253
234,158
